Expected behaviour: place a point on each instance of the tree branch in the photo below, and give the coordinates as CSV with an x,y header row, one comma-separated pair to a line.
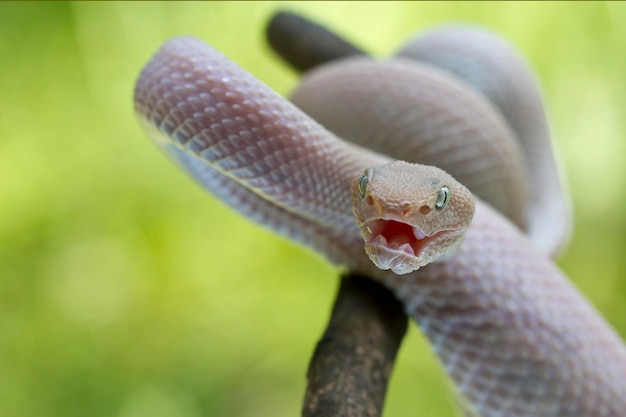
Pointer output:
x,y
304,44
350,369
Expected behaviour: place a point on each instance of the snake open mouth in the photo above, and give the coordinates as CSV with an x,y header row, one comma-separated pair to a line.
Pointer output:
x,y
397,236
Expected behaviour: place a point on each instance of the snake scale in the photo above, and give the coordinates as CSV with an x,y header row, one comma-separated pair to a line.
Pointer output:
x,y
474,271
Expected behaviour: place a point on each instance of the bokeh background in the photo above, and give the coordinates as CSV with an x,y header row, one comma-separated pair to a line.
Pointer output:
x,y
127,291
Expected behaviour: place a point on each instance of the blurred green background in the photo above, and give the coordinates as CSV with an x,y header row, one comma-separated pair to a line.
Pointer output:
x,y
127,291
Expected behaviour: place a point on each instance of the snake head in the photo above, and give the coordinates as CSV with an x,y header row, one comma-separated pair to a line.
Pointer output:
x,y
410,214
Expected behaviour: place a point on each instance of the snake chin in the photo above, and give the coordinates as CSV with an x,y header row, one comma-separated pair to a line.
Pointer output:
x,y
399,246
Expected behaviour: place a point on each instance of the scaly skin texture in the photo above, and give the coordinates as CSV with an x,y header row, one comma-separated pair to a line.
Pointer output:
x,y
488,64
406,110
514,335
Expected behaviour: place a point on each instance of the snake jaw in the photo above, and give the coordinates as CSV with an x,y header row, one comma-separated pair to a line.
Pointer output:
x,y
399,246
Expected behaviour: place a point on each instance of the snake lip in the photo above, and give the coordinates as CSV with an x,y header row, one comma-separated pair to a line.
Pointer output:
x,y
402,247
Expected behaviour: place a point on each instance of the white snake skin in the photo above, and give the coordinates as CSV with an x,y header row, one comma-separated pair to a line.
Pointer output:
x,y
516,338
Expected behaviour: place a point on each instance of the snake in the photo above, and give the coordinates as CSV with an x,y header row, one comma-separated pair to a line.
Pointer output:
x,y
431,172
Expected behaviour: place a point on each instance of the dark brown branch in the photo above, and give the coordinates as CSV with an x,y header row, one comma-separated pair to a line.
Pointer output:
x,y
350,368
305,44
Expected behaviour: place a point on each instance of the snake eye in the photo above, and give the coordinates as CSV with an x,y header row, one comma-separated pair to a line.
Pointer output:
x,y
442,198
363,184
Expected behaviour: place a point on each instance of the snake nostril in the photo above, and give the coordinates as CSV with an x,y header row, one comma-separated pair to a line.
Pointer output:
x,y
425,210
369,200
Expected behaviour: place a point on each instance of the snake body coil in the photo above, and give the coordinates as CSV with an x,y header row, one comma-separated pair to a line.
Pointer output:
x,y
514,335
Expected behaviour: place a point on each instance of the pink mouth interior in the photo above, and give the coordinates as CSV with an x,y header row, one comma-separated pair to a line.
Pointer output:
x,y
396,234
